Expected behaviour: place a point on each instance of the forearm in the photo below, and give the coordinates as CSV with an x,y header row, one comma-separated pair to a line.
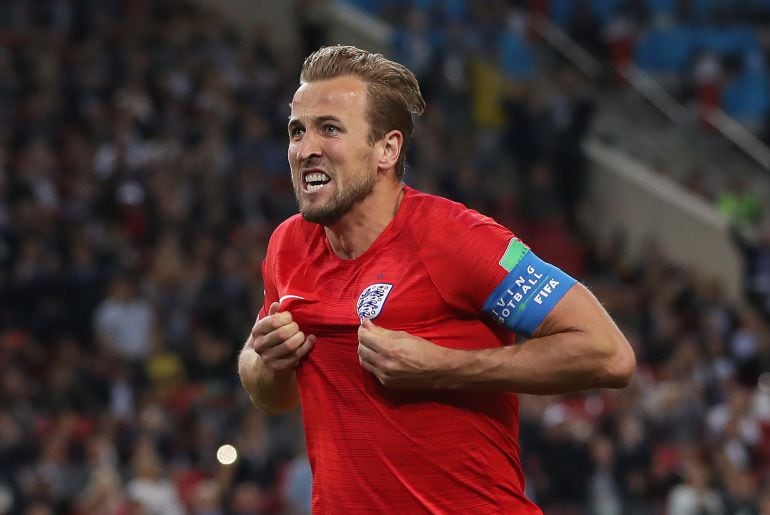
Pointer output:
x,y
558,363
270,391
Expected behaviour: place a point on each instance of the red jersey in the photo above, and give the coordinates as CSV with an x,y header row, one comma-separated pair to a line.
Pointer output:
x,y
378,450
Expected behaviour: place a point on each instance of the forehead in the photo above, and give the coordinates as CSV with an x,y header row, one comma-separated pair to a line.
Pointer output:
x,y
336,96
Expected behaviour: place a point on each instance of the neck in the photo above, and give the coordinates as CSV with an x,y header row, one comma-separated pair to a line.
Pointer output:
x,y
356,231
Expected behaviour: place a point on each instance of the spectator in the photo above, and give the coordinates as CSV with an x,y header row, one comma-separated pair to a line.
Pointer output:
x,y
756,259
154,493
570,113
206,499
739,204
124,322
297,483
248,499
694,496
605,498
104,493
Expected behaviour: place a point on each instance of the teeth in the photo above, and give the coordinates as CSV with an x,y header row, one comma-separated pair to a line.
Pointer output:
x,y
316,177
314,187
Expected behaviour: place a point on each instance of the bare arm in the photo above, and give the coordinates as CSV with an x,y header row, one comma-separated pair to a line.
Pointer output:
x,y
576,347
268,359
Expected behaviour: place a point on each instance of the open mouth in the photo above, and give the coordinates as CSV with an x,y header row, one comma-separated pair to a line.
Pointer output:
x,y
315,180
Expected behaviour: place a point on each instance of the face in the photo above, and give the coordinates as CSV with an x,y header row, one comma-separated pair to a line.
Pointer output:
x,y
333,166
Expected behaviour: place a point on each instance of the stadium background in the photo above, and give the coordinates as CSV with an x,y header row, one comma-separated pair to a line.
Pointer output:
x,y
142,169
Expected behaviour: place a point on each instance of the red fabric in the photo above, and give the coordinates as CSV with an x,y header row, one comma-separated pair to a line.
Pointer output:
x,y
379,450
538,8
708,96
622,53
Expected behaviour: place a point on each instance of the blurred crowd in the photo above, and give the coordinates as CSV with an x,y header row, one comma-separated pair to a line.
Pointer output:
x,y
708,52
142,169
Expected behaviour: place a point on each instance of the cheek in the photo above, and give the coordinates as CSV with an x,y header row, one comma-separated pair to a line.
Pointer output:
x,y
367,159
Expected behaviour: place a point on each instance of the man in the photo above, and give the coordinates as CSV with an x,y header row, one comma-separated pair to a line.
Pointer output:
x,y
390,314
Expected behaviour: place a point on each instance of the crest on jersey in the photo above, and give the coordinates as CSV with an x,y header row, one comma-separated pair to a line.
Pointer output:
x,y
372,299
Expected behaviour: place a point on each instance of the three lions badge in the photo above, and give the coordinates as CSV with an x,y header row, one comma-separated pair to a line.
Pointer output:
x,y
372,299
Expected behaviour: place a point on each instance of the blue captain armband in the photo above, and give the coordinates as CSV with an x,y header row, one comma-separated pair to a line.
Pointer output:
x,y
529,292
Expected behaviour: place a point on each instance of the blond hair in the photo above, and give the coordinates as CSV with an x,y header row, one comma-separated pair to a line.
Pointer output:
x,y
394,98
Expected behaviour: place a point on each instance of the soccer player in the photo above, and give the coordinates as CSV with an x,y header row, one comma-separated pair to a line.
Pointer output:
x,y
390,314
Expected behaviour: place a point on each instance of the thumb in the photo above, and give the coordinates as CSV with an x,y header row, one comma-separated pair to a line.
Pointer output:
x,y
366,336
274,307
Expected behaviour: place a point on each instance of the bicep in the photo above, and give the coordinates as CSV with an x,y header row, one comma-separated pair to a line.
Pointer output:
x,y
580,312
577,310
528,294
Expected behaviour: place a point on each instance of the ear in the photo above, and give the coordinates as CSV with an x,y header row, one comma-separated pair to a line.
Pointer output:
x,y
391,146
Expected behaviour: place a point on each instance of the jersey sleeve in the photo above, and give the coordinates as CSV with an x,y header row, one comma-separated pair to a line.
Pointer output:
x,y
461,250
268,280
480,266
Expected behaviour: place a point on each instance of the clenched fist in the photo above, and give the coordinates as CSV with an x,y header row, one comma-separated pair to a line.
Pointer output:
x,y
278,340
399,359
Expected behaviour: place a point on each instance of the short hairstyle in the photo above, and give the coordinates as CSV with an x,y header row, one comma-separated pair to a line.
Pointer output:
x,y
393,94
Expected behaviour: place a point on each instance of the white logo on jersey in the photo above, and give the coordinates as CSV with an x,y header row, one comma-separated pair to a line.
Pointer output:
x,y
284,297
372,299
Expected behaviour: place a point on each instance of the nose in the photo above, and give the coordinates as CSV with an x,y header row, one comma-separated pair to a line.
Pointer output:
x,y
307,147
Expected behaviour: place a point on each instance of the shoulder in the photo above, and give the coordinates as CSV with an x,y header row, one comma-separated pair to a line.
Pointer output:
x,y
433,205
459,247
435,217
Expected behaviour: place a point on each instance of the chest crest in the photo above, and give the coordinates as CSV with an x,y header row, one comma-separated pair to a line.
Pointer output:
x,y
372,300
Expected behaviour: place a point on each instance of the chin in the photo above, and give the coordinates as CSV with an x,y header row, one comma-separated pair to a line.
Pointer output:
x,y
322,215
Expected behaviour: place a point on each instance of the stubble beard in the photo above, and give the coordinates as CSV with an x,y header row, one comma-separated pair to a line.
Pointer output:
x,y
340,204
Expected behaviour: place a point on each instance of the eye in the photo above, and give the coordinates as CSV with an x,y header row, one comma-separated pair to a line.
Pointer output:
x,y
296,132
331,129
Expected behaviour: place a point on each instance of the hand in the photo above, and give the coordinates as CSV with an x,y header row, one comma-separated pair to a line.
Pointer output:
x,y
278,340
399,359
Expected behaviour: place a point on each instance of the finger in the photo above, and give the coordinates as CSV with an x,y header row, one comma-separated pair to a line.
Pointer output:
x,y
283,365
306,347
275,337
367,365
292,359
270,323
373,328
366,353
284,348
368,339
272,310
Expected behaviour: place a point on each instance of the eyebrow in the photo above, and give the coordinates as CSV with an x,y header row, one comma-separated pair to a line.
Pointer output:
x,y
293,122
